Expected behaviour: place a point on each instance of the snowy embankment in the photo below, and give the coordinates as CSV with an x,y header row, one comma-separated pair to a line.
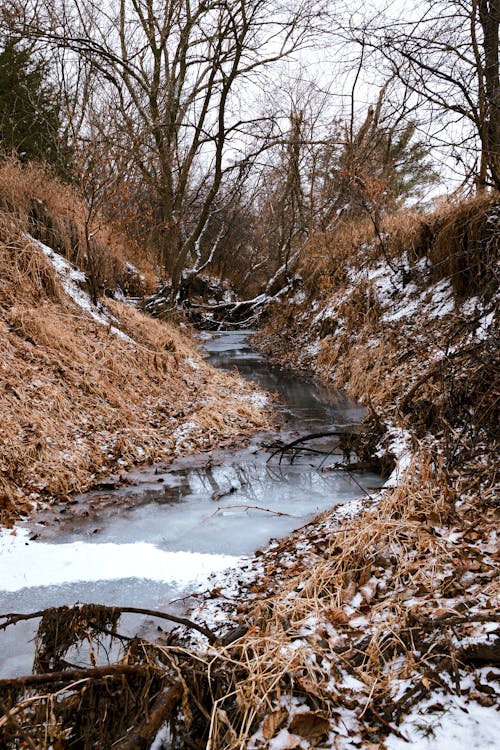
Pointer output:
x,y
73,282
377,625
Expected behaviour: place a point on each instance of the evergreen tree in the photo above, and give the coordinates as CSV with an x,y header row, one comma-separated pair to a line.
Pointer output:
x,y
408,163
29,108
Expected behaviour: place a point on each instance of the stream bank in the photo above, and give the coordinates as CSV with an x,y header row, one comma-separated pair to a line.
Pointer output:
x,y
381,629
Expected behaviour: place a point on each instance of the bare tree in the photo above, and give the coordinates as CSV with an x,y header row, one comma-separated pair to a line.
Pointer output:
x,y
171,76
447,54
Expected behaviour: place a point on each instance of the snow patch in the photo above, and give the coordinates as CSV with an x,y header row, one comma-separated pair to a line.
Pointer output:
x,y
484,325
450,724
399,445
258,400
192,364
29,564
71,280
185,430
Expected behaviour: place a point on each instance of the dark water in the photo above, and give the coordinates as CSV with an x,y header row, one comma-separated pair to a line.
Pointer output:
x,y
158,538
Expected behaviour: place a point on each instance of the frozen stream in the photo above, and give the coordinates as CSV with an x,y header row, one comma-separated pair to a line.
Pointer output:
x,y
154,541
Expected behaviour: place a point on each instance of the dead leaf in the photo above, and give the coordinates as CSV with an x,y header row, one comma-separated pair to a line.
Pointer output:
x,y
273,722
312,726
308,686
337,615
426,683
442,612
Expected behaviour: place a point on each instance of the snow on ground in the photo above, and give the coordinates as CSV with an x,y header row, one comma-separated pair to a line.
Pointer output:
x,y
184,433
72,280
397,442
402,301
25,563
449,723
432,572
484,326
192,363
258,400
439,720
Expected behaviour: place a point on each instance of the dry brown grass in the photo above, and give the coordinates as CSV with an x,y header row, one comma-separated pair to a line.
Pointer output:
x,y
52,212
303,641
461,239
77,401
328,255
377,360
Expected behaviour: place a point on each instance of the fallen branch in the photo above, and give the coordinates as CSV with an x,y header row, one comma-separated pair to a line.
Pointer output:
x,y
389,726
354,466
430,623
74,675
479,654
14,617
252,507
304,439
162,710
209,634
219,494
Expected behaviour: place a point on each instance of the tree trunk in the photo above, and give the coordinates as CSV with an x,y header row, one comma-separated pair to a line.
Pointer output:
x,y
489,16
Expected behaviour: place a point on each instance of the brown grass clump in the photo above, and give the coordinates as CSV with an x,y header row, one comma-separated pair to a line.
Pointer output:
x,y
462,241
328,255
78,401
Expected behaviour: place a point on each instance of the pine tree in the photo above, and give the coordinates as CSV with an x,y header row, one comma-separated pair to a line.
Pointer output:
x,y
29,109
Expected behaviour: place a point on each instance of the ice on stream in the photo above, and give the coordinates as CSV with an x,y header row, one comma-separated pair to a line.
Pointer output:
x,y
25,564
160,538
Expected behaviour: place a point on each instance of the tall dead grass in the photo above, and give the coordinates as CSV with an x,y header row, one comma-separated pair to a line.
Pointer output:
x,y
328,255
460,238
